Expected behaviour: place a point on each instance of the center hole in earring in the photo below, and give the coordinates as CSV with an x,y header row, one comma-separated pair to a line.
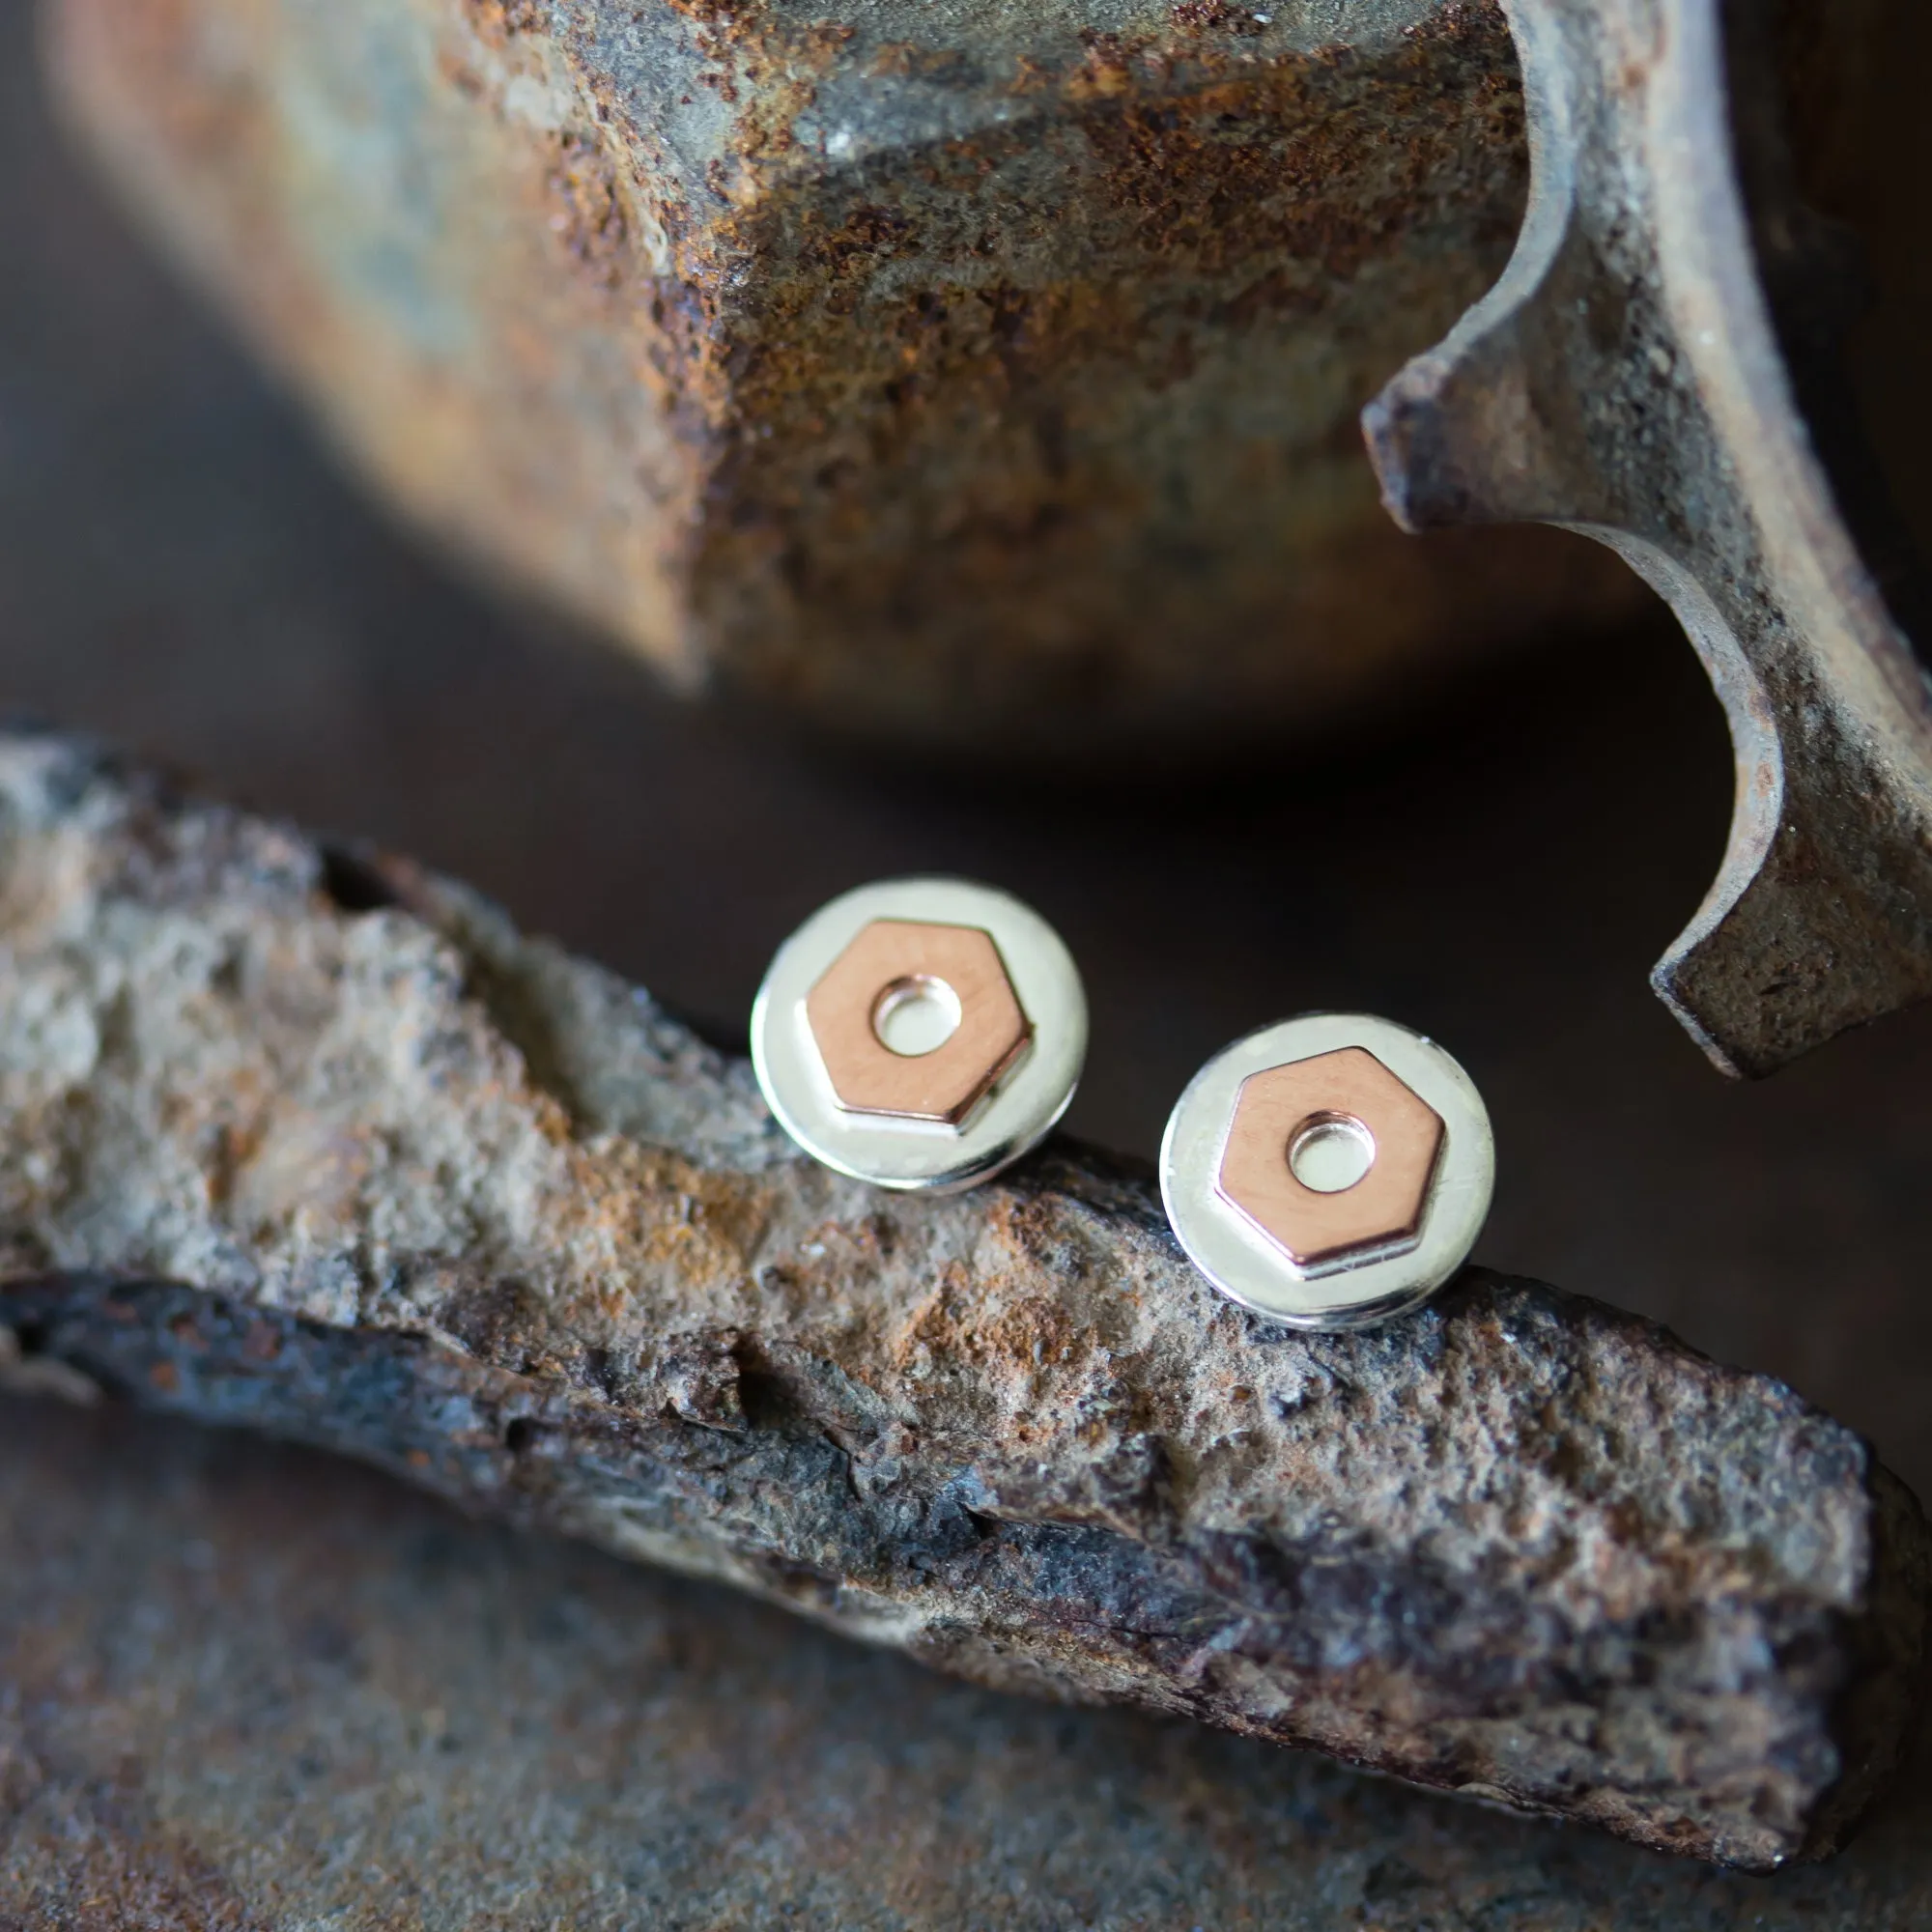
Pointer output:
x,y
916,1015
1329,1154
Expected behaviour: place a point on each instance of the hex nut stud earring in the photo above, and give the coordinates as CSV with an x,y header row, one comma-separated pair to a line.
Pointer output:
x,y
920,1034
1331,1172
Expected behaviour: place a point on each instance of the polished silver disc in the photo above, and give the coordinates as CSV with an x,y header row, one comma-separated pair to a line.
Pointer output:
x,y
909,1021
1327,1151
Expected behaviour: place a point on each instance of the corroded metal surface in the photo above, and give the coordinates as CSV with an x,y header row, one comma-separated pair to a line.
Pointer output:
x,y
980,374
246,1687
325,1147
991,378
1655,368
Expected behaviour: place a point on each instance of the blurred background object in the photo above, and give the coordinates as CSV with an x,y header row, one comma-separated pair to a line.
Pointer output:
x,y
985,378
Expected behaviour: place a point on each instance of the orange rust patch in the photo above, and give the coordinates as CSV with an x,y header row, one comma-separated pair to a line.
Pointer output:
x,y
586,211
908,60
495,22
969,1318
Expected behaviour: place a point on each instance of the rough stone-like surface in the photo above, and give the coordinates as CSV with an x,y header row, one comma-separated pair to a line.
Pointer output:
x,y
243,1686
975,373
308,1141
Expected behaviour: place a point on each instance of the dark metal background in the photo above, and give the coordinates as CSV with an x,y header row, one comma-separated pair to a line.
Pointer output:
x,y
179,569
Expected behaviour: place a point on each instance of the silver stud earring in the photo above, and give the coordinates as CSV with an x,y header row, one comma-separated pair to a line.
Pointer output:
x,y
1330,1171
920,1034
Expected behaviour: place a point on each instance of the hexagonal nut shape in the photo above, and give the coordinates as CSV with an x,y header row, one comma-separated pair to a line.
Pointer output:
x,y
1380,1211
893,956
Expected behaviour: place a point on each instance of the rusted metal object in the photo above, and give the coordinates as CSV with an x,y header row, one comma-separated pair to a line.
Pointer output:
x,y
989,378
982,375
896,957
1655,368
1278,1110
322,1146
249,1688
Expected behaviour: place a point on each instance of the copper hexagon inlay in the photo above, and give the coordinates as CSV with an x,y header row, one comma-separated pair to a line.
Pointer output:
x,y
1351,1086
843,1008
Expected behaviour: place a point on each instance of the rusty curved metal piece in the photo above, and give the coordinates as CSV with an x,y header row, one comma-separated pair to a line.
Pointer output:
x,y
1654,369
